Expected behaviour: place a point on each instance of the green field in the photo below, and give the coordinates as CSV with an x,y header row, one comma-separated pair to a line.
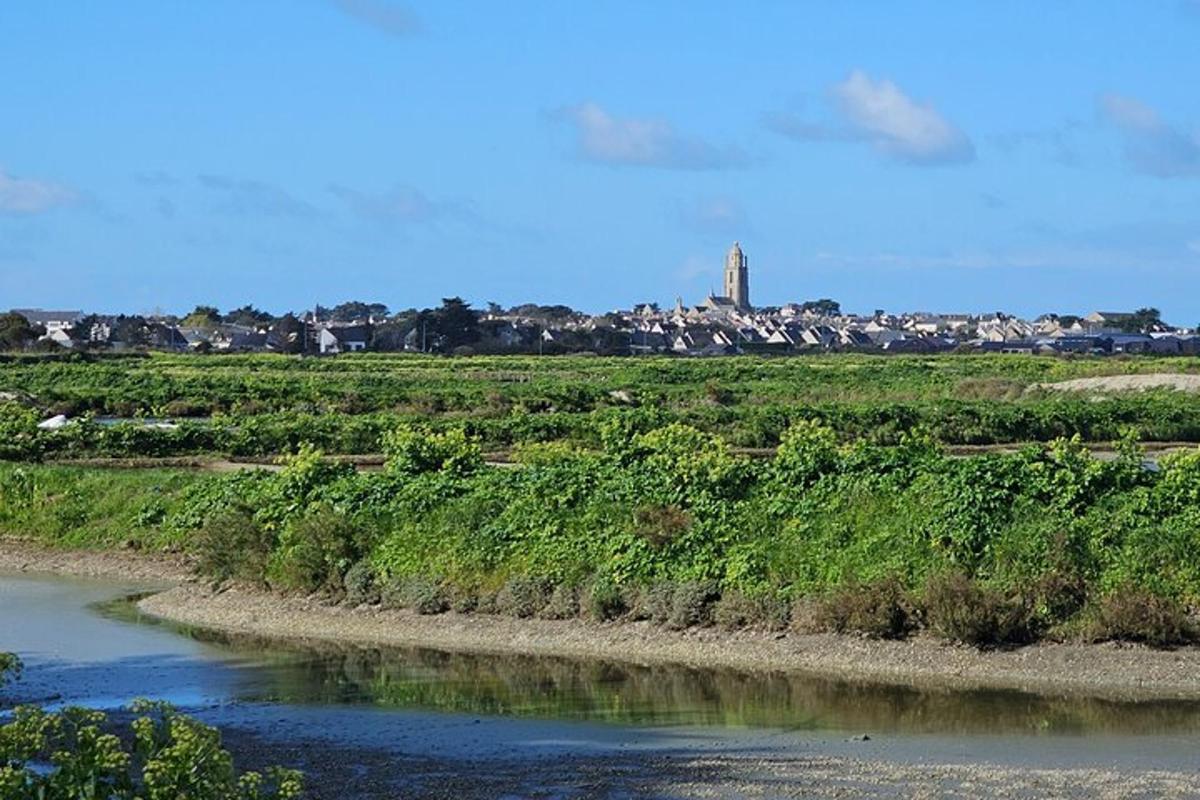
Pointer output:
x,y
261,405
630,498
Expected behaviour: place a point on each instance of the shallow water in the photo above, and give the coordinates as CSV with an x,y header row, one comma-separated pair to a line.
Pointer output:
x,y
84,642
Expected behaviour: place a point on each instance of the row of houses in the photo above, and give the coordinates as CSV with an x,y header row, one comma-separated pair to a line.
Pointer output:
x,y
710,329
75,330
713,328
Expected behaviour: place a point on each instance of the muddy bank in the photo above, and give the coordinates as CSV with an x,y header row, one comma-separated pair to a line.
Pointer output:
x,y
1106,671
807,769
1118,672
19,556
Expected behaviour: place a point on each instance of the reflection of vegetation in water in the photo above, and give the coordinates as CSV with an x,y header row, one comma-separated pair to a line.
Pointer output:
x,y
538,686
516,685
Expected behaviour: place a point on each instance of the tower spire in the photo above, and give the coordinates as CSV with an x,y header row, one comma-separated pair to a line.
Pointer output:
x,y
737,277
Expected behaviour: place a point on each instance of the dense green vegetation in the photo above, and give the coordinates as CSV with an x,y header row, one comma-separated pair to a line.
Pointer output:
x,y
10,667
668,524
630,497
75,753
256,405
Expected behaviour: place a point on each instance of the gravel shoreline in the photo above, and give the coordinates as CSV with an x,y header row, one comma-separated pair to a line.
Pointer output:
x,y
1103,671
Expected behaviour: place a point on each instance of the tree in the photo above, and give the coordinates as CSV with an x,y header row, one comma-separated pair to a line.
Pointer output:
x,y
823,307
353,311
291,335
456,322
16,333
1144,320
535,311
131,331
247,316
202,317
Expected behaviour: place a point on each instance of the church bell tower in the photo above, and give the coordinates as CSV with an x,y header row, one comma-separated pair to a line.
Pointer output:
x,y
737,277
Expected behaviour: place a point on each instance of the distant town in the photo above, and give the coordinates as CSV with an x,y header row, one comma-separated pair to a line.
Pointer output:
x,y
726,324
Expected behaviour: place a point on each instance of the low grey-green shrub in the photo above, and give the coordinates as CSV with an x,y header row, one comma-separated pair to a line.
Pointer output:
x,y
603,600
361,584
1133,614
735,610
562,604
962,610
231,544
419,593
653,602
465,598
880,609
523,596
692,604
315,552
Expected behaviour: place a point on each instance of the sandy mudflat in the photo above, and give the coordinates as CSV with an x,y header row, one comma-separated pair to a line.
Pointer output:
x,y
1110,671
375,774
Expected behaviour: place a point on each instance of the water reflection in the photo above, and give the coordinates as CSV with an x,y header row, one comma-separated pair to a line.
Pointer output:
x,y
539,686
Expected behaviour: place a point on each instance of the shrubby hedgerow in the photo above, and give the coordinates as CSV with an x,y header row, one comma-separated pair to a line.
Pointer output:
x,y
668,523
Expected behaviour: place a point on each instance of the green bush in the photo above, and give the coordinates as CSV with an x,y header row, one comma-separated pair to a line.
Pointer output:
x,y
413,452
71,754
10,668
19,439
665,518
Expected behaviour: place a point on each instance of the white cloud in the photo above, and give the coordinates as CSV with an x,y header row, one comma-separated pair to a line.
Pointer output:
x,y
1152,146
386,16
898,125
880,113
29,196
606,139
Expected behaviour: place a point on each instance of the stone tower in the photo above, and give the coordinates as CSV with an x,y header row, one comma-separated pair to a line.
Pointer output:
x,y
737,277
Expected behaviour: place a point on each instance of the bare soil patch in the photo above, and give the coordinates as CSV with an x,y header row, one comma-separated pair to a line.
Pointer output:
x,y
1178,381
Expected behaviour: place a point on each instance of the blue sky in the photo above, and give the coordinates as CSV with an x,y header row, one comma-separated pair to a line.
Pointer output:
x,y
1029,157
